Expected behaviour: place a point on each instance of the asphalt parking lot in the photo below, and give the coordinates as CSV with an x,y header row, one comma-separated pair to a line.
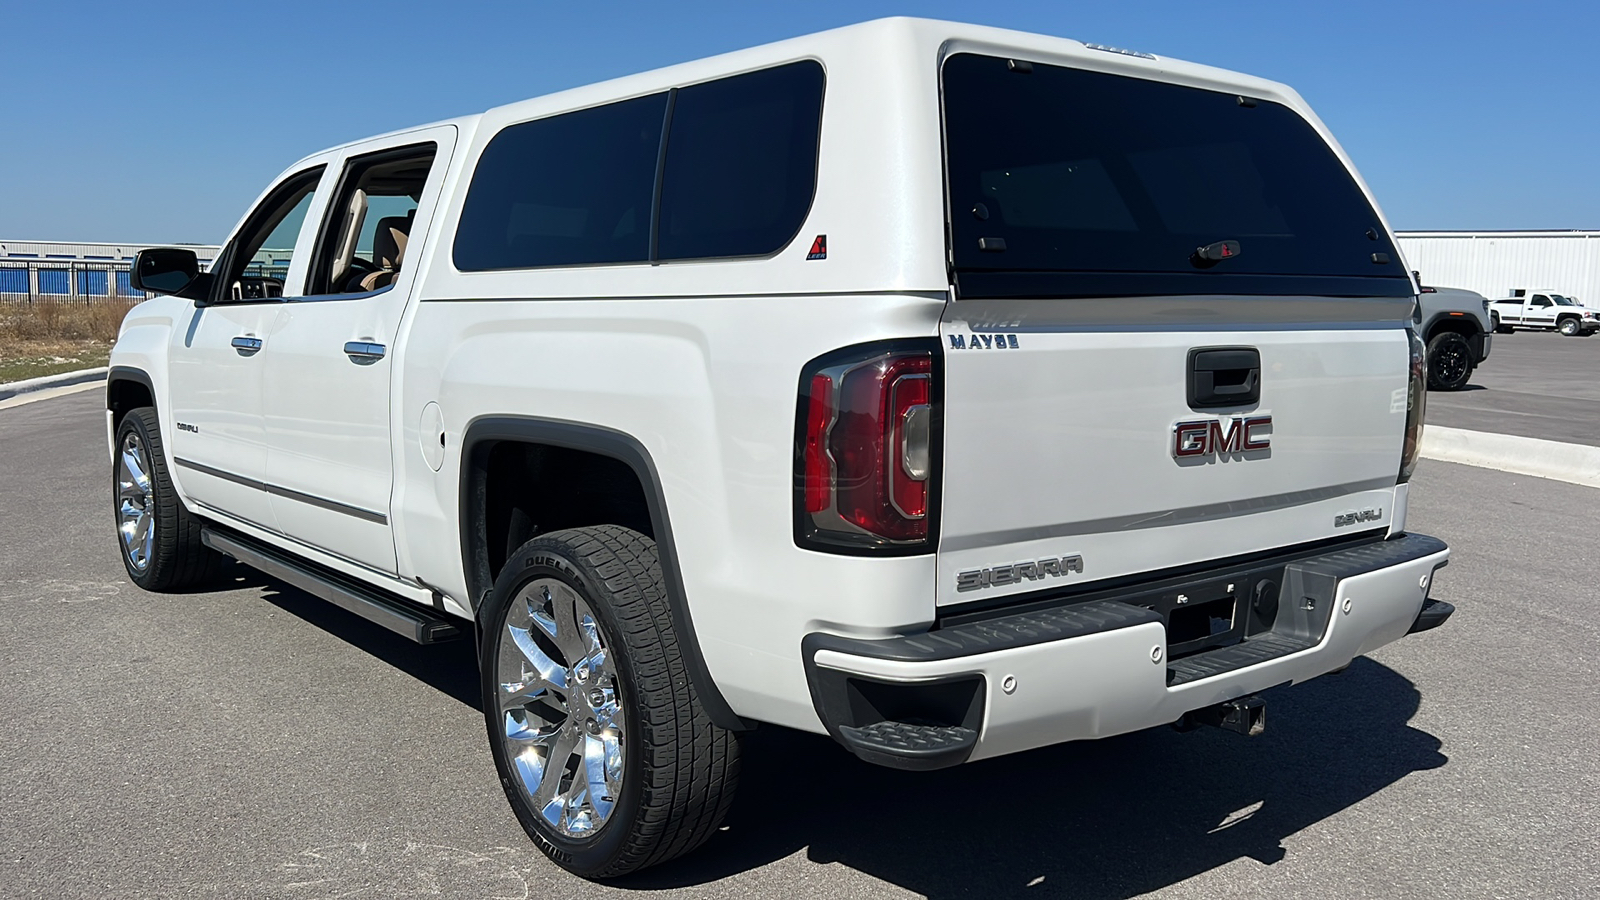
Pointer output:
x,y
1534,384
255,742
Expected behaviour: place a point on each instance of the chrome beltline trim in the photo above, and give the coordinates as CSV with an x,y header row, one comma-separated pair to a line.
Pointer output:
x,y
1163,518
279,491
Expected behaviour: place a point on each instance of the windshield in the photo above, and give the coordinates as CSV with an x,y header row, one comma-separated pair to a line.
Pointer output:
x,y
1065,182
1561,301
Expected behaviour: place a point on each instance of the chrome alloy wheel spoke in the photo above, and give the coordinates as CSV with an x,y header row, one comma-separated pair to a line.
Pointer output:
x,y
554,611
560,704
135,518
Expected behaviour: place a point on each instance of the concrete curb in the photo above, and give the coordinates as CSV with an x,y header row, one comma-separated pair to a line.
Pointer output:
x,y
63,379
1572,463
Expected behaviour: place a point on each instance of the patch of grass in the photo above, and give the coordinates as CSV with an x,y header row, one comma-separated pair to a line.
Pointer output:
x,y
28,364
50,336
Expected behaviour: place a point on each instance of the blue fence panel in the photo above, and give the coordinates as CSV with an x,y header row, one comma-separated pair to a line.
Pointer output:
x,y
55,281
92,283
13,281
125,287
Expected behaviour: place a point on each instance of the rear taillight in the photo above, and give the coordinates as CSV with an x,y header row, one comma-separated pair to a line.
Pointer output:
x,y
1416,403
865,449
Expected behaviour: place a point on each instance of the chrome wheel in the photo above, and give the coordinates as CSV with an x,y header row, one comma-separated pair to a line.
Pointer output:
x,y
561,708
135,503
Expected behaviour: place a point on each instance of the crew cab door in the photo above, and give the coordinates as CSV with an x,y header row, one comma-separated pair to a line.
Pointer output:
x,y
216,441
1540,311
327,384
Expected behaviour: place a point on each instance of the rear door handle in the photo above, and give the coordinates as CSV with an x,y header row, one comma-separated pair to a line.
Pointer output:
x,y
364,351
246,345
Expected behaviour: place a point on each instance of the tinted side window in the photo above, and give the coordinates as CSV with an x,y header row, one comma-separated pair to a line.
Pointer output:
x,y
741,163
567,190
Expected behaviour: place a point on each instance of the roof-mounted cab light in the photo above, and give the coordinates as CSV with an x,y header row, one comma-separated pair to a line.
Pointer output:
x,y
1135,53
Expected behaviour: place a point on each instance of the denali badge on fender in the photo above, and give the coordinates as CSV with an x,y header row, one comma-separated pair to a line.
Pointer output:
x,y
1215,437
1054,567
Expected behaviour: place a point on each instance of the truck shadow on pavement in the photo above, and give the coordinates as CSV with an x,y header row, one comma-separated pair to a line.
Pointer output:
x,y
450,668
1113,818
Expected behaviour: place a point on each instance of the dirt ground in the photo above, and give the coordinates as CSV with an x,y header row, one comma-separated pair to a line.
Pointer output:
x,y
50,336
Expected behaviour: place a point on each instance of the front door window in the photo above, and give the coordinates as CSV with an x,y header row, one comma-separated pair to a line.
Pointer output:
x,y
258,262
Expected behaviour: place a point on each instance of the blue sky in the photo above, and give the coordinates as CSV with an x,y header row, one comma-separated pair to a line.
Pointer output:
x,y
161,122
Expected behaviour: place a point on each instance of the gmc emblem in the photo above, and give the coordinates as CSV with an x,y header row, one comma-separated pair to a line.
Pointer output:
x,y
1219,437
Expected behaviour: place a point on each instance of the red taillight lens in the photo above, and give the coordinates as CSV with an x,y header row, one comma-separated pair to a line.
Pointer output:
x,y
819,466
865,454
873,491
910,412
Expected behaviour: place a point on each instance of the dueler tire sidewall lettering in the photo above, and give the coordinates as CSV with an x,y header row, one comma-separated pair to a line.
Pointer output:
x,y
528,564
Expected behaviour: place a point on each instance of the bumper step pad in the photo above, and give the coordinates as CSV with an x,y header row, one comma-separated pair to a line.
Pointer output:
x,y
1226,659
1433,614
1005,632
902,745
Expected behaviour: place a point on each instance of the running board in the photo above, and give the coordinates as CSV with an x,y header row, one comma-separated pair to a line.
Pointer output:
x,y
394,613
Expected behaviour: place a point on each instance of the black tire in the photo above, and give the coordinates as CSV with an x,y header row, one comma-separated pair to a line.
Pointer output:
x,y
679,771
1569,326
1449,361
170,556
1494,322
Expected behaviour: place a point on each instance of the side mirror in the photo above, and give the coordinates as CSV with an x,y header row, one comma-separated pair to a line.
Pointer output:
x,y
164,270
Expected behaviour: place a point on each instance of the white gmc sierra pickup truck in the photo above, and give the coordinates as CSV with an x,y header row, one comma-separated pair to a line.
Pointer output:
x,y
949,390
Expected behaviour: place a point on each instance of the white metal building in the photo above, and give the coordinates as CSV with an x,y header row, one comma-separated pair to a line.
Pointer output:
x,y
1494,262
31,270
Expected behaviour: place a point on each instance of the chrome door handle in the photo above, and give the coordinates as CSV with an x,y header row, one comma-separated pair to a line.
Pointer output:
x,y
364,351
247,345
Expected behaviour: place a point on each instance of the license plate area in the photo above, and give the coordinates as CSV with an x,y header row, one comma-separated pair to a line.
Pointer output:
x,y
1198,625
1205,615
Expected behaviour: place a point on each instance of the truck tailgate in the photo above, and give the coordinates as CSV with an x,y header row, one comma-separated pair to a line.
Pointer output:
x,y
1062,441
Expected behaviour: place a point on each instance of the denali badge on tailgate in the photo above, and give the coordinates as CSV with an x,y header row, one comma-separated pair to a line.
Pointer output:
x,y
1356,517
1054,567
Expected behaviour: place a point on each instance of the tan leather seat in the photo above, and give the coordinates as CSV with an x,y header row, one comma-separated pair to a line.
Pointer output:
x,y
388,251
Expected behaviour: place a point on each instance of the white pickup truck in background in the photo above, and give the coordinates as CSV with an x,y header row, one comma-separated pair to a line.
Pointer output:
x,y
1543,309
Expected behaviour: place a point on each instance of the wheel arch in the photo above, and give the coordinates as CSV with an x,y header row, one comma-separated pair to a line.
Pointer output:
x,y
480,441
1466,326
127,388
